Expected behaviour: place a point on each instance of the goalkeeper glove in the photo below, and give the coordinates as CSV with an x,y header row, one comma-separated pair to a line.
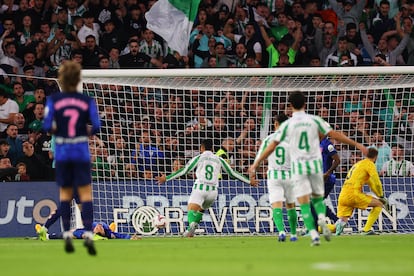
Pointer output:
x,y
387,206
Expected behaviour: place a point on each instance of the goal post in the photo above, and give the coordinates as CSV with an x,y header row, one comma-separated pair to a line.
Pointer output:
x,y
154,120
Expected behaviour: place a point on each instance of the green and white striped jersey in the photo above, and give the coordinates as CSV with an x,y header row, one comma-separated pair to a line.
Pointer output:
x,y
301,131
154,50
278,162
208,169
398,168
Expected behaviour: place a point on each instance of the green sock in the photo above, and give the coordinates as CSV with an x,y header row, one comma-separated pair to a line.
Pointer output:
x,y
278,219
293,220
194,216
319,205
307,216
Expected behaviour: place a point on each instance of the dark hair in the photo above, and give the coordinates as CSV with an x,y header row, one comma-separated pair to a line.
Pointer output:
x,y
297,99
372,152
281,117
208,144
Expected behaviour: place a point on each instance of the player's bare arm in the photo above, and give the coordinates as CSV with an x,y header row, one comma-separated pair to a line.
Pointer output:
x,y
344,139
269,149
161,179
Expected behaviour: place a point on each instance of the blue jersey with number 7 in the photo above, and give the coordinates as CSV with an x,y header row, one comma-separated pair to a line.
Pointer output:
x,y
69,116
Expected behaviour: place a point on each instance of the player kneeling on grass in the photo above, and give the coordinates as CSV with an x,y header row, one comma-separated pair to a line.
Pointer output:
x,y
205,187
351,196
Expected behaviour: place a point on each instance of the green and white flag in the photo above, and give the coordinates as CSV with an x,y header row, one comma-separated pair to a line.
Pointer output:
x,y
173,21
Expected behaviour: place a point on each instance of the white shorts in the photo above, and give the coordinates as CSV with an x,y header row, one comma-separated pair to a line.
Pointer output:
x,y
202,197
280,190
308,184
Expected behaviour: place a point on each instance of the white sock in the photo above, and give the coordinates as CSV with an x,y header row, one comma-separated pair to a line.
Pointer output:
x,y
67,235
88,235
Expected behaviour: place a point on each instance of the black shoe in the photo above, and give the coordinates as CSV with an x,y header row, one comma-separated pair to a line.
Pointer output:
x,y
90,246
69,245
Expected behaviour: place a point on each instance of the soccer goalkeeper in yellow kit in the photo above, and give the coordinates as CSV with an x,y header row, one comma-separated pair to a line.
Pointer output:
x,y
351,196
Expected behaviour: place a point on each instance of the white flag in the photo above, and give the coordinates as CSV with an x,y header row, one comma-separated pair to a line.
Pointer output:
x,y
173,20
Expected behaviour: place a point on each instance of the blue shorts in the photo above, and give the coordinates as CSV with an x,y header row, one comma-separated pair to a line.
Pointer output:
x,y
73,174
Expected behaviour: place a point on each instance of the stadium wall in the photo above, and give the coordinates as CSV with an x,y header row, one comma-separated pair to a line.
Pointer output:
x,y
237,210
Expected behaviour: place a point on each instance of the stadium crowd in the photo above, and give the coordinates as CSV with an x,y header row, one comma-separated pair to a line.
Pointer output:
x,y
143,126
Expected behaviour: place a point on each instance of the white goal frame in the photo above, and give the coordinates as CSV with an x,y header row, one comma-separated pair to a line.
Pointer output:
x,y
283,80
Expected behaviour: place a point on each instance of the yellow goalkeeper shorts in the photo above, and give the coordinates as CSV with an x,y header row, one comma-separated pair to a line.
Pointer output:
x,y
350,199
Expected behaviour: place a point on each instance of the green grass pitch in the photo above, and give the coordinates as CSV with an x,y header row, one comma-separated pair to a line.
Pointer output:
x,y
388,254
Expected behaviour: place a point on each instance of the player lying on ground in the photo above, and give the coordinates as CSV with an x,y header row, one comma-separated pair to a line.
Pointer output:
x,y
101,230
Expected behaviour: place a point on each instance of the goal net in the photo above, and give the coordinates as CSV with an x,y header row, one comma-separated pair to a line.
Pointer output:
x,y
153,122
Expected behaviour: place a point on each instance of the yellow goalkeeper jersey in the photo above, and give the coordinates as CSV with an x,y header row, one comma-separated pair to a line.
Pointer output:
x,y
361,173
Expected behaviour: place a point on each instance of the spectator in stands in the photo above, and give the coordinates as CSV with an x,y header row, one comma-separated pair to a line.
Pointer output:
x,y
8,55
8,109
177,165
21,172
218,131
10,35
151,47
207,32
204,54
59,48
50,84
334,59
384,150
37,123
91,53
29,59
62,23
26,31
4,147
240,56
172,150
29,82
23,131
397,165
135,59
282,48
89,28
114,58
46,34
250,39
353,38
112,37
407,28
134,21
350,11
74,9
23,101
101,168
387,45
381,21
249,131
36,166
15,144
7,171
221,60
146,155
104,62
226,151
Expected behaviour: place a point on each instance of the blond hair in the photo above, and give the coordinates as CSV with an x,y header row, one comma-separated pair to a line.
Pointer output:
x,y
69,76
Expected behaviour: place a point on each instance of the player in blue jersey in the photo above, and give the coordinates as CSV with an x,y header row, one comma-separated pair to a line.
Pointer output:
x,y
72,117
101,231
330,161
